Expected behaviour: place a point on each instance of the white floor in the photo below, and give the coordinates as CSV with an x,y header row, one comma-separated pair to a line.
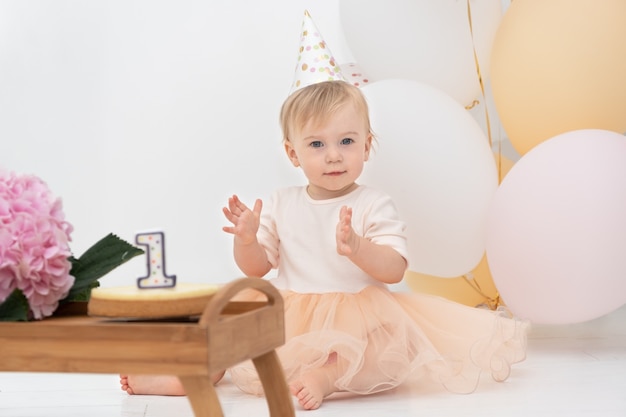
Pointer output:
x,y
573,370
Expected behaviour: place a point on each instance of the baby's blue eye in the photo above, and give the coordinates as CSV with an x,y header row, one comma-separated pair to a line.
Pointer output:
x,y
346,141
316,144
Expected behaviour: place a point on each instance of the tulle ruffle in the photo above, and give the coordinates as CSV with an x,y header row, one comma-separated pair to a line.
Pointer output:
x,y
379,338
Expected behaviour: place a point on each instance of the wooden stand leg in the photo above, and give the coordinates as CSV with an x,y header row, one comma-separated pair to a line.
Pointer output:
x,y
274,385
202,396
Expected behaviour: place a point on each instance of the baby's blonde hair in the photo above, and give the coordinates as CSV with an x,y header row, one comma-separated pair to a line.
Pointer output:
x,y
317,102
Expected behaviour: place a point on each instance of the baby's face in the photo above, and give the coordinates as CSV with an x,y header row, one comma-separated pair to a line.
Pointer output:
x,y
332,153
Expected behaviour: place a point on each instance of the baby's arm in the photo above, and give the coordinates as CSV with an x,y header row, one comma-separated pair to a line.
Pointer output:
x,y
381,262
249,254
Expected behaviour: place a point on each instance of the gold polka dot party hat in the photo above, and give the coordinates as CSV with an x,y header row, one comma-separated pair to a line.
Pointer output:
x,y
315,61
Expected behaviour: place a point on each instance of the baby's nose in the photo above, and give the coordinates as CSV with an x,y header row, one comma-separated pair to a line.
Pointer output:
x,y
333,154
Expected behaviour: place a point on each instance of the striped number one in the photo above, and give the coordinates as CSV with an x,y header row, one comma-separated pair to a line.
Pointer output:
x,y
155,251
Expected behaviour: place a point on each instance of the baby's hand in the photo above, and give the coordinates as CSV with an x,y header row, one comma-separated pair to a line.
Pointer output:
x,y
245,221
347,240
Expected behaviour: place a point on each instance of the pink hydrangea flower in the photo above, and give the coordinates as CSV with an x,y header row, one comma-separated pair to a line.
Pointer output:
x,y
34,244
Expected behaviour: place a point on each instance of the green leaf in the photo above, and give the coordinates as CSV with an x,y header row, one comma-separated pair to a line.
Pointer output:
x,y
100,259
14,307
80,295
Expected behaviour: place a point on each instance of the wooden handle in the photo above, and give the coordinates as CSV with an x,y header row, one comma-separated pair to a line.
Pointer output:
x,y
224,296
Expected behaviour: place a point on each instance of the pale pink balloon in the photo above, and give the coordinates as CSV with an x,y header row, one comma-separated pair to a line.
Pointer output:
x,y
556,234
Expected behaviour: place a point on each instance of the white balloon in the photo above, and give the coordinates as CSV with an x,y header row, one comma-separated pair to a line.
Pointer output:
x,y
435,162
424,40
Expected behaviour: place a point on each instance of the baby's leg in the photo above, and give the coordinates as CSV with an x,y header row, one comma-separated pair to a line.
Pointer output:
x,y
315,385
156,384
151,385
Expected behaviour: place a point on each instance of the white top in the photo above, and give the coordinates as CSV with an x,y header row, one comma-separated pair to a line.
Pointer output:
x,y
299,237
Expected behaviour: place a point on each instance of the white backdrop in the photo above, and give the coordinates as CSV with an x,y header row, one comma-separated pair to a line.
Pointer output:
x,y
147,114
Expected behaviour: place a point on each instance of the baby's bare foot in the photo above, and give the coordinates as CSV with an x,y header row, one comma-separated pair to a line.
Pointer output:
x,y
309,399
151,385
156,384
314,386
124,384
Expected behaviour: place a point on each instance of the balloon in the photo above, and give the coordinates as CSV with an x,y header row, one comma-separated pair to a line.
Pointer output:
x,y
423,40
558,66
556,235
435,162
474,289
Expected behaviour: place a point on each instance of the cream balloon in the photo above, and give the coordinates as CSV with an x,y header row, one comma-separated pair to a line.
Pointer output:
x,y
556,236
423,40
473,289
559,66
435,162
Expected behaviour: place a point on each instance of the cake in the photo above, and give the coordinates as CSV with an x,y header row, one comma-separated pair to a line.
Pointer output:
x,y
183,300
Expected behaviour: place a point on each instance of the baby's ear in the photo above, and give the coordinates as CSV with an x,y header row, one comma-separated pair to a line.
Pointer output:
x,y
368,147
291,153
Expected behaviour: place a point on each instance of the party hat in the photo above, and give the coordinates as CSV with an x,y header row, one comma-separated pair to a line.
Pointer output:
x,y
354,75
315,61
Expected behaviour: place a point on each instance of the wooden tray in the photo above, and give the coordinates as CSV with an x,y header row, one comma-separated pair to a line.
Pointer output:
x,y
227,332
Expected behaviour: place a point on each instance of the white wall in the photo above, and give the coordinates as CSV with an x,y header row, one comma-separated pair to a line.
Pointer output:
x,y
148,114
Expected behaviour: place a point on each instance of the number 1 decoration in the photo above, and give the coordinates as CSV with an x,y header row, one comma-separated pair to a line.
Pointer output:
x,y
155,253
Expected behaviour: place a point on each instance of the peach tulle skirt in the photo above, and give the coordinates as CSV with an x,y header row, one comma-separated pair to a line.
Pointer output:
x,y
380,338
